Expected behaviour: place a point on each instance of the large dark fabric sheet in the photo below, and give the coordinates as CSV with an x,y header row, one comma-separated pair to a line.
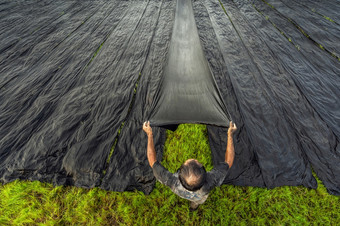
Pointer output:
x,y
130,153
187,92
259,110
78,79
80,103
332,8
305,132
324,32
318,131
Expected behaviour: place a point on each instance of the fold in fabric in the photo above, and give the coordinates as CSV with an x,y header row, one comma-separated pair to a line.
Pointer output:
x,y
188,92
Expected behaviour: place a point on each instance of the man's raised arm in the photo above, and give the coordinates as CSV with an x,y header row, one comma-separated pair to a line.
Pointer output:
x,y
230,153
151,153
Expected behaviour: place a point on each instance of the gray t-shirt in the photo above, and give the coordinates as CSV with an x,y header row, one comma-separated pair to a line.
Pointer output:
x,y
214,178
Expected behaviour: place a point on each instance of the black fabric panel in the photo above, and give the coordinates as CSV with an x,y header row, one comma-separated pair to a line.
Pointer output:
x,y
26,28
316,134
129,168
308,48
28,102
76,75
332,8
112,79
22,107
325,100
307,129
188,92
322,31
8,8
21,14
245,170
73,105
267,128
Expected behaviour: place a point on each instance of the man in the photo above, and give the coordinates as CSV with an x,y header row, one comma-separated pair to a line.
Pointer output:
x,y
191,181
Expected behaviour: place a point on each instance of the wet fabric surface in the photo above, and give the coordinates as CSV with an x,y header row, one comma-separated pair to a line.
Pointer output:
x,y
78,78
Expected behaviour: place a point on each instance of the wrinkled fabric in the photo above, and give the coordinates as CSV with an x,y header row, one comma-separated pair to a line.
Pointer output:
x,y
276,79
187,92
78,79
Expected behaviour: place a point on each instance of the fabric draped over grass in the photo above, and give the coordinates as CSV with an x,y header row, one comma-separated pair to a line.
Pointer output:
x,y
78,79
35,202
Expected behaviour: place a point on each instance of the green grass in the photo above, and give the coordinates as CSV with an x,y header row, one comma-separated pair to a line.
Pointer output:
x,y
40,203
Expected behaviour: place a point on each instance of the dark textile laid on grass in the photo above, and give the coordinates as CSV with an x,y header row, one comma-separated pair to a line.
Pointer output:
x,y
78,79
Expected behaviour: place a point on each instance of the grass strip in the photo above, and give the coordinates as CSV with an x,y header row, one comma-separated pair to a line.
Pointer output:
x,y
122,124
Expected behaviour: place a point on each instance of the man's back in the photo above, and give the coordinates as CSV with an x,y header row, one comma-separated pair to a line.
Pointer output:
x,y
213,179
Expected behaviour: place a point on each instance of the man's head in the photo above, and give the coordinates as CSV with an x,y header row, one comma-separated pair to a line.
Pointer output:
x,y
192,175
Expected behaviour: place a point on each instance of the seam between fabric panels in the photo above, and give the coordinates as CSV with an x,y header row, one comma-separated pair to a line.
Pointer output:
x,y
116,139
162,76
304,33
106,163
213,77
294,80
133,99
266,94
104,40
255,154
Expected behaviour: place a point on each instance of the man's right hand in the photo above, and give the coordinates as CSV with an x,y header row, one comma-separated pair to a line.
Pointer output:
x,y
232,128
230,152
147,128
151,153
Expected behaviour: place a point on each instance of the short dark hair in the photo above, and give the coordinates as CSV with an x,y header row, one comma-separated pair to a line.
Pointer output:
x,y
189,169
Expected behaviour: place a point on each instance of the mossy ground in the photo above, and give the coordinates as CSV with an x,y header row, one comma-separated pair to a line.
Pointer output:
x,y
40,203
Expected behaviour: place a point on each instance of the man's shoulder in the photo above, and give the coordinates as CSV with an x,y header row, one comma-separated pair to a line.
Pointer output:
x,y
162,174
216,176
157,164
222,166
